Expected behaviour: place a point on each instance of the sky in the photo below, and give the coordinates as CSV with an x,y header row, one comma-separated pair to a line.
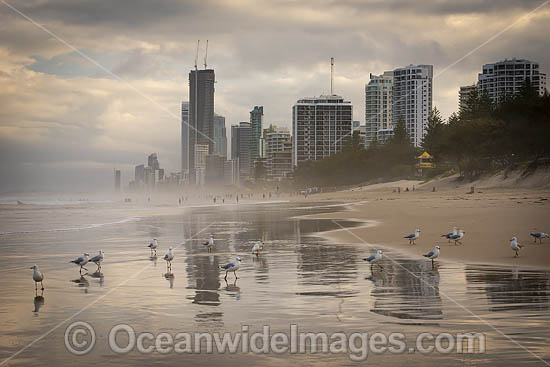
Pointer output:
x,y
106,90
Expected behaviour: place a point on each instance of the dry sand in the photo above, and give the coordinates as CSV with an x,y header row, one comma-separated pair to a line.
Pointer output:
x,y
490,217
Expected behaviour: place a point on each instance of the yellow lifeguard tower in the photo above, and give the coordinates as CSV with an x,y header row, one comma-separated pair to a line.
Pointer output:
x,y
425,160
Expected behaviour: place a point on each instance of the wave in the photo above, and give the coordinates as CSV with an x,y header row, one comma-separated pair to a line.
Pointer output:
x,y
78,228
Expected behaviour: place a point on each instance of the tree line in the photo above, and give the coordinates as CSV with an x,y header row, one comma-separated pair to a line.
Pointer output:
x,y
481,137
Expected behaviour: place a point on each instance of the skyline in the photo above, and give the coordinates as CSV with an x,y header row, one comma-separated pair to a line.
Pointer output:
x,y
64,117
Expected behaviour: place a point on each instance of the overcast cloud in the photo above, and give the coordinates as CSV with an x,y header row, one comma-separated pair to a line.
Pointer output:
x,y
65,123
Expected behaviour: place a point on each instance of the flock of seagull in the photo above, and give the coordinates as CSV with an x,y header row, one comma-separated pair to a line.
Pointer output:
x,y
455,235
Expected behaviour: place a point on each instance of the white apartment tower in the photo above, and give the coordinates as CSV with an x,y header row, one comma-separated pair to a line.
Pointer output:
x,y
320,127
378,105
507,77
412,99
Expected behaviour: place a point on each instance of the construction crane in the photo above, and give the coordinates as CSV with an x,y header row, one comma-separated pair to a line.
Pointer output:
x,y
206,55
197,54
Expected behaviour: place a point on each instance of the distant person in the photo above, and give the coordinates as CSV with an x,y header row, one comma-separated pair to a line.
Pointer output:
x,y
179,201
214,200
237,199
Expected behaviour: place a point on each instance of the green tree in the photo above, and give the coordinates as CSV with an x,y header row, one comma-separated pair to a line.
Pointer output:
x,y
434,137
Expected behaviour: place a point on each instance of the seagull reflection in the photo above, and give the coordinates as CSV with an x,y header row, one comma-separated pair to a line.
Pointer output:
x,y
233,288
38,302
170,277
98,275
153,260
82,282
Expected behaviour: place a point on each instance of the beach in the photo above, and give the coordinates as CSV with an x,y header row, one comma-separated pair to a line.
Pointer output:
x,y
490,217
311,274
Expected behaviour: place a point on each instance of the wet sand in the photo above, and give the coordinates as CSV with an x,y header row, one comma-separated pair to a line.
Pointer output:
x,y
299,278
490,218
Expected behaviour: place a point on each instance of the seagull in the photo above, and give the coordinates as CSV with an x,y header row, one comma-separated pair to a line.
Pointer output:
x,y
457,237
97,259
258,246
374,258
448,235
539,236
209,243
413,236
37,276
169,257
434,254
153,246
232,266
515,245
82,260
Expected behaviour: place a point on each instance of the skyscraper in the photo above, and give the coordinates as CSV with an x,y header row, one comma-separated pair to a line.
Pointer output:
x,y
241,143
320,127
464,95
378,103
256,121
153,162
201,113
507,77
412,99
184,139
118,180
220,136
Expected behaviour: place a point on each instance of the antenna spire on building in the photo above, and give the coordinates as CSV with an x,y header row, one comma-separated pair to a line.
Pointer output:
x,y
206,55
331,75
197,54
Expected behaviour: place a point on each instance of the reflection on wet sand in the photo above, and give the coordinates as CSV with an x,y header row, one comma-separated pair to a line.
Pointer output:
x,y
38,302
82,282
100,276
512,289
170,278
408,290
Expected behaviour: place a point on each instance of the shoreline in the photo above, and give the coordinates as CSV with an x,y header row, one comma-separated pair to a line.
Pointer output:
x,y
489,218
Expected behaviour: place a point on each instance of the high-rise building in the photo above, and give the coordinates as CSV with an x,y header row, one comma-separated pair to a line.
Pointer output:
x,y
241,148
201,113
464,95
139,176
184,138
378,105
231,172
505,78
214,169
278,153
412,99
153,162
220,136
320,127
256,122
118,180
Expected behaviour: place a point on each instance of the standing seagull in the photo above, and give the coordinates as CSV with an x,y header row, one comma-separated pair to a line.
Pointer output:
x,y
515,245
457,237
449,235
413,236
153,246
82,260
97,259
374,258
232,266
539,236
169,257
258,246
37,276
209,243
434,254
